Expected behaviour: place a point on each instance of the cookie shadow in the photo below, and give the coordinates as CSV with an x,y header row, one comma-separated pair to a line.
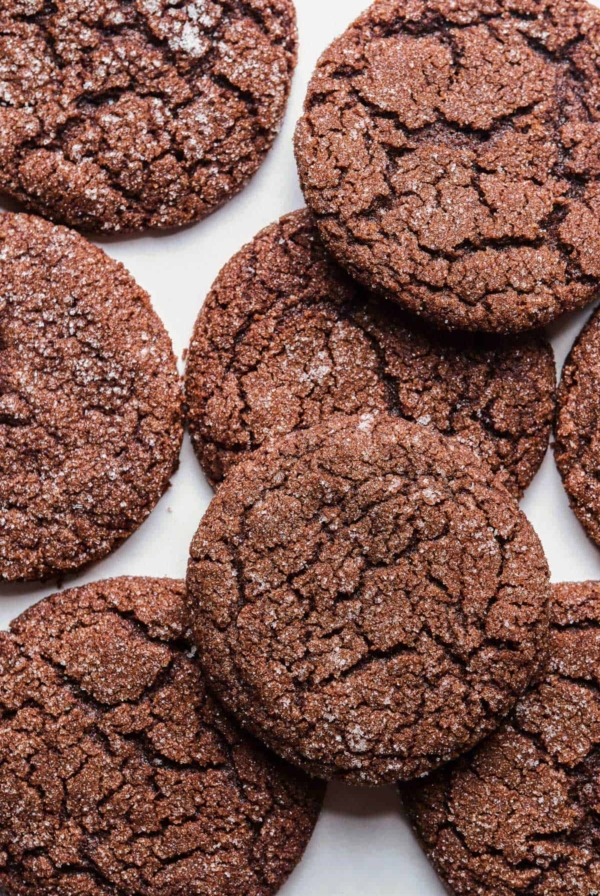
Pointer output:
x,y
362,802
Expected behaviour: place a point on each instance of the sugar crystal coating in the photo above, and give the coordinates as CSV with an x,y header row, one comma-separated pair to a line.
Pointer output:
x,y
285,339
119,773
366,599
90,401
118,115
449,150
520,814
577,449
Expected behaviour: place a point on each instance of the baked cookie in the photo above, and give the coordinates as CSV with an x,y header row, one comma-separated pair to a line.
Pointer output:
x,y
285,339
576,447
90,402
119,773
519,815
450,152
118,115
366,599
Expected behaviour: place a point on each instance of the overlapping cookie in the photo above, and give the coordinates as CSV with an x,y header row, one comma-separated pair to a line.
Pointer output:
x,y
119,773
366,598
285,339
519,815
449,153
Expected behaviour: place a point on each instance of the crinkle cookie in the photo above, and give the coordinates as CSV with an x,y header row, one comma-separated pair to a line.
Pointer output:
x,y
577,449
367,599
90,402
450,153
119,773
518,817
120,115
285,339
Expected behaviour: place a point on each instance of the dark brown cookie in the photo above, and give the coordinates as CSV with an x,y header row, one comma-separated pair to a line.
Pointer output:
x,y
366,599
118,115
119,773
450,151
90,401
520,815
285,339
577,448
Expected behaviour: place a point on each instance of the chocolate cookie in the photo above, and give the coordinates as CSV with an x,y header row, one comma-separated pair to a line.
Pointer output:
x,y
119,773
90,401
520,815
577,449
366,598
285,339
118,115
450,151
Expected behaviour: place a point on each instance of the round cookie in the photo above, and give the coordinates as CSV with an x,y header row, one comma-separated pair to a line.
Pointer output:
x,y
90,402
119,772
449,151
119,115
366,599
576,447
285,339
519,815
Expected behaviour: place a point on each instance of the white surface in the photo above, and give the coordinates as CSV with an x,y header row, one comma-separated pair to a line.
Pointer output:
x,y
361,845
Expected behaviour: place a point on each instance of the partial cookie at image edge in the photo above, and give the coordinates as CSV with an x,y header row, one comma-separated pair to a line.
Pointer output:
x,y
140,115
517,815
90,402
120,772
576,447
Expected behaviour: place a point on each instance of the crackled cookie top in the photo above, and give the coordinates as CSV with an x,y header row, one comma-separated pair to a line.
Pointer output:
x,y
285,339
450,153
366,599
577,445
119,774
127,114
90,401
520,815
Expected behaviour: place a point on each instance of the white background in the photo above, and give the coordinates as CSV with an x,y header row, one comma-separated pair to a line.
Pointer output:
x,y
361,845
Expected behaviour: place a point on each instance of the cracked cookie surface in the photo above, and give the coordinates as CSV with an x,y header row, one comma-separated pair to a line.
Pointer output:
x,y
520,815
285,339
577,447
119,773
366,599
90,401
450,153
119,115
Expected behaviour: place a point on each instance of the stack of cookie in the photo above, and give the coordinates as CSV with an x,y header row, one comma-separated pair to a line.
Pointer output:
x,y
369,393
